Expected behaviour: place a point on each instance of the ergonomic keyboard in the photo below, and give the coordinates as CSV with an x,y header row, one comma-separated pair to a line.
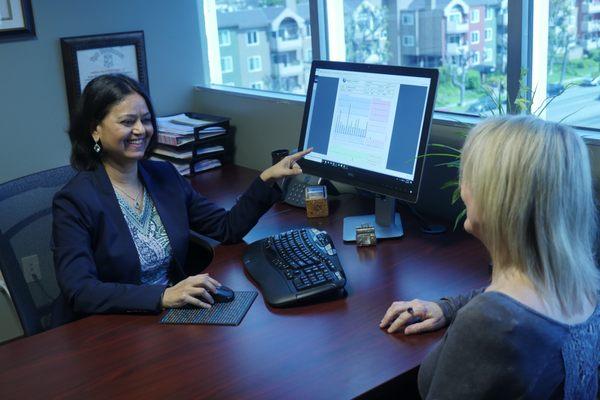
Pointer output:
x,y
295,267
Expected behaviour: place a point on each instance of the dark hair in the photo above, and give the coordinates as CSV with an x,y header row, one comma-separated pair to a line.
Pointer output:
x,y
98,97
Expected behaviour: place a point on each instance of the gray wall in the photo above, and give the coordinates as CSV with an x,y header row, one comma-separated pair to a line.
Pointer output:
x,y
33,102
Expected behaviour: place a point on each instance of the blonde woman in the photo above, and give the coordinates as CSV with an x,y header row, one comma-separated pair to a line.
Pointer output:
x,y
533,333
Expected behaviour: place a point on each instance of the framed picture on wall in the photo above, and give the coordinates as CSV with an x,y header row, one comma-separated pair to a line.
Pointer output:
x,y
16,20
86,57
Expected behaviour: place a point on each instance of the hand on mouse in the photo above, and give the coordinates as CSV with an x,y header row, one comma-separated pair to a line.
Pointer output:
x,y
286,167
414,316
193,290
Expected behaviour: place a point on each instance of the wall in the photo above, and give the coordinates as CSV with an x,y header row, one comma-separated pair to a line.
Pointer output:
x,y
33,102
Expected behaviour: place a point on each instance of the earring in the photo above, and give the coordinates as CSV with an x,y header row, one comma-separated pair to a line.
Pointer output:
x,y
97,148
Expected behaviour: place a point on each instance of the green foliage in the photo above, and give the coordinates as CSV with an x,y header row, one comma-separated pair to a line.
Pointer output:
x,y
366,34
473,80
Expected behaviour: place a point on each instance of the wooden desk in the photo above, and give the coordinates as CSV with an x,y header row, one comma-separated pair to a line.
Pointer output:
x,y
333,350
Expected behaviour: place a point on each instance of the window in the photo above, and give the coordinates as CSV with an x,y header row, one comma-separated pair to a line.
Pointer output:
x,y
254,64
256,85
224,38
488,56
359,31
571,69
226,64
408,19
252,38
455,17
488,34
408,40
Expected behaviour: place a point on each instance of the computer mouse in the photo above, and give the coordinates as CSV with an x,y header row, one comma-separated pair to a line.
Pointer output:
x,y
223,295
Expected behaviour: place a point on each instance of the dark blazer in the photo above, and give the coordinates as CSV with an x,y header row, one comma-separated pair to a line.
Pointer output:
x,y
96,261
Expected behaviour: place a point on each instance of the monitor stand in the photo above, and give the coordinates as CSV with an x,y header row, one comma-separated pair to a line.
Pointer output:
x,y
386,220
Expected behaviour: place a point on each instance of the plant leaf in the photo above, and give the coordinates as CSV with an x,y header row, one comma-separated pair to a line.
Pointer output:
x,y
449,184
459,217
443,146
456,194
450,164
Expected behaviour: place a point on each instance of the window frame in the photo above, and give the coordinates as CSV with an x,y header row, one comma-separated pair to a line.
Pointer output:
x,y
230,59
249,62
255,33
404,41
485,36
475,32
474,12
228,43
406,15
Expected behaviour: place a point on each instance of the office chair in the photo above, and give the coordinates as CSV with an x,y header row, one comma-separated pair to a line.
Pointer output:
x,y
25,256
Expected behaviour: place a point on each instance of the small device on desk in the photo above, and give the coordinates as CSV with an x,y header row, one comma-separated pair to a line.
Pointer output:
x,y
295,266
294,189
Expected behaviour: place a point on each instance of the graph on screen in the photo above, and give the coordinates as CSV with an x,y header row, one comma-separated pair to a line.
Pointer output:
x,y
363,122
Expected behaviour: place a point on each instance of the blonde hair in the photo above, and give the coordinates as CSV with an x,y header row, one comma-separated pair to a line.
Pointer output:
x,y
531,184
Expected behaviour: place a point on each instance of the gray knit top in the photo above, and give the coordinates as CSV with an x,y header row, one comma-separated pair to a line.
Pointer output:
x,y
499,348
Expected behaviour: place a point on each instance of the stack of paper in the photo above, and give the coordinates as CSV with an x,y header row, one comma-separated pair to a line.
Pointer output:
x,y
184,167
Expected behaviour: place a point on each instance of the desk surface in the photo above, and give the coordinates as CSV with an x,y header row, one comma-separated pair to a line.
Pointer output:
x,y
329,350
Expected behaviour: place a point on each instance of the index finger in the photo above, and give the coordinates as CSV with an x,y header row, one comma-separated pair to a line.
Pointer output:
x,y
296,156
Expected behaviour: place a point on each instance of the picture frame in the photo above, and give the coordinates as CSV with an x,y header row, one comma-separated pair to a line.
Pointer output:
x,y
86,57
16,20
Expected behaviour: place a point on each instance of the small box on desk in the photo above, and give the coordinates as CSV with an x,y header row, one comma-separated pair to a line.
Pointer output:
x,y
316,201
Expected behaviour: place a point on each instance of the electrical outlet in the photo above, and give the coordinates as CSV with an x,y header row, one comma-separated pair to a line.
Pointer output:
x,y
31,267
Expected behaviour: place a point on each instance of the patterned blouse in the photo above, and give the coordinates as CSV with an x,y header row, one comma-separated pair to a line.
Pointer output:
x,y
150,238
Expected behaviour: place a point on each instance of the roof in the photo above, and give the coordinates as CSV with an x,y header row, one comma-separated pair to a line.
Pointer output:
x,y
257,17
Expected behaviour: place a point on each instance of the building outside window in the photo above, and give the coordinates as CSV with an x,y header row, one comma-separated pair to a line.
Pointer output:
x,y
474,37
475,16
408,41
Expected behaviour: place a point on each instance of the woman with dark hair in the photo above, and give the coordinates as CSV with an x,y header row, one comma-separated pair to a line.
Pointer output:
x,y
121,225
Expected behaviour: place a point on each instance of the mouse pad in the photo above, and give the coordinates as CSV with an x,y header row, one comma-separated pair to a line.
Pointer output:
x,y
230,313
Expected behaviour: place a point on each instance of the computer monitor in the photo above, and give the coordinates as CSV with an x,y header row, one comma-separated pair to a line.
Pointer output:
x,y
368,126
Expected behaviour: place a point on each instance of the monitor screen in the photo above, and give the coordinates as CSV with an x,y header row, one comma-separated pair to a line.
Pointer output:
x,y
368,125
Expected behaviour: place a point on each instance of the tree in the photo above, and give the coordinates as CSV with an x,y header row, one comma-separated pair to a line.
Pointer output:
x,y
458,67
366,34
560,34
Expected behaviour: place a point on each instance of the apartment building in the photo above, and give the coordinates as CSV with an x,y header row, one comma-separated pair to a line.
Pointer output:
x,y
433,32
265,48
588,23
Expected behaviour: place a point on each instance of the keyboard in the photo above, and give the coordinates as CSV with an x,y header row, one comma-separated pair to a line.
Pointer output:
x,y
295,267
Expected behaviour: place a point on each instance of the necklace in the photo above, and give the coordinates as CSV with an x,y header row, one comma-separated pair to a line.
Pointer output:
x,y
136,202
